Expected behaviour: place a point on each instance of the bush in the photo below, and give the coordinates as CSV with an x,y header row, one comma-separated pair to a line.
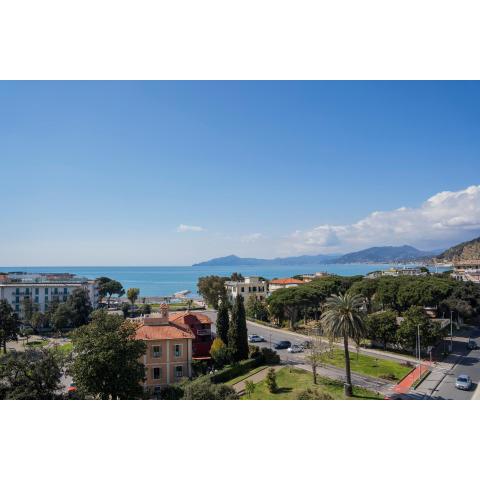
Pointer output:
x,y
171,392
313,394
206,390
219,353
271,380
236,370
270,357
253,351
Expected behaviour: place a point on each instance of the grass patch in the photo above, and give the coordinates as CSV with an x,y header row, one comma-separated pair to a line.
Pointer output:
x,y
66,348
291,382
367,365
235,380
37,343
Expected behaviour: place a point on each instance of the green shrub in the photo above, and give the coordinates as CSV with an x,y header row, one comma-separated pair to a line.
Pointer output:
x,y
204,389
271,380
171,392
240,368
270,357
313,394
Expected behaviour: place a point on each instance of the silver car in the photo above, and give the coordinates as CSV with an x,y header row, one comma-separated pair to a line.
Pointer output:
x,y
255,338
464,382
295,349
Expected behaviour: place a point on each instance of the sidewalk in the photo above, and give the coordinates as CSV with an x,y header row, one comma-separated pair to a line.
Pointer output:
x,y
439,372
255,378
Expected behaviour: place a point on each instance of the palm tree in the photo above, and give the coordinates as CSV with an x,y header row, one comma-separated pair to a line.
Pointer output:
x,y
344,317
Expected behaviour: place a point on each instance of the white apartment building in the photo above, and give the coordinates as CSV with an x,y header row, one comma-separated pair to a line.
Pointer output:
x,y
42,289
467,271
249,287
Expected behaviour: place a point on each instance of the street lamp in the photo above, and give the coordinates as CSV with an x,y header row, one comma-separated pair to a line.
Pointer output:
x,y
451,331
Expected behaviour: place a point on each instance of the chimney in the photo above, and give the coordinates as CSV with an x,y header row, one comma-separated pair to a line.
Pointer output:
x,y
160,318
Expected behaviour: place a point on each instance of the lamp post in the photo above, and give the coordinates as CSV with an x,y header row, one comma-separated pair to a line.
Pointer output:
x,y
451,331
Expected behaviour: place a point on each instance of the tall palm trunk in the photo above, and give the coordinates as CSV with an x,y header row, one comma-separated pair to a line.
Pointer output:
x,y
348,384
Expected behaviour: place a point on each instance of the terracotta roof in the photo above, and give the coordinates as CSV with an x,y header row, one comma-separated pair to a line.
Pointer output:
x,y
179,317
286,281
162,332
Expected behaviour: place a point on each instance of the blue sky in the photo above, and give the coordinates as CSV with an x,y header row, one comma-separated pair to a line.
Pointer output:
x,y
169,173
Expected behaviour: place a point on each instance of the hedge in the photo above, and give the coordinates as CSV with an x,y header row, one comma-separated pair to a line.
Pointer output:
x,y
240,368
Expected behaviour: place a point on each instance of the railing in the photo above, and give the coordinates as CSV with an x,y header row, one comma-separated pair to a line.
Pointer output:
x,y
204,331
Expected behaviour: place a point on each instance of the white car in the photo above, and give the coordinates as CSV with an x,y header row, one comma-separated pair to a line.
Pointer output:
x,y
255,338
295,349
464,382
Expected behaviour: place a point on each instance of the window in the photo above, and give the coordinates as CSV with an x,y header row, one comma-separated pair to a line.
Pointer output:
x,y
156,351
46,291
157,373
65,291
17,299
27,291
37,299
37,291
17,291
55,291
178,350
254,289
178,371
243,289
17,307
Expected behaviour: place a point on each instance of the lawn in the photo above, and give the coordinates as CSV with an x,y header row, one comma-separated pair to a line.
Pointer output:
x,y
66,348
37,343
291,382
235,380
368,365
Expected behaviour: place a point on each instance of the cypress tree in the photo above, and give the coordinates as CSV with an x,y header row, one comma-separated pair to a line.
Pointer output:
x,y
223,321
237,332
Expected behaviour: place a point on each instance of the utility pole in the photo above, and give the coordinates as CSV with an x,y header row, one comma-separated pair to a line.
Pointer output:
x,y
419,353
451,331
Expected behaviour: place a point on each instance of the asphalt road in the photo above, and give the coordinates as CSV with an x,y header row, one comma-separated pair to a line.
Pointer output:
x,y
469,364
298,359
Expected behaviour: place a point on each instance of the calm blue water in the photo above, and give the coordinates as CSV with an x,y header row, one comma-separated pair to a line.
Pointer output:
x,y
163,281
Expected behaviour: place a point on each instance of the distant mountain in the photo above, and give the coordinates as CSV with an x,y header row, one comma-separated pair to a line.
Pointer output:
x,y
233,261
405,253
464,251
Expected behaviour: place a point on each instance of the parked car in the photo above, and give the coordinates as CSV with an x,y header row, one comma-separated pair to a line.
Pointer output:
x,y
295,349
282,345
464,382
472,345
255,338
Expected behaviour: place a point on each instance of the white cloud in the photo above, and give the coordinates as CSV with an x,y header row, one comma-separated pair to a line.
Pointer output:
x,y
443,219
252,237
189,228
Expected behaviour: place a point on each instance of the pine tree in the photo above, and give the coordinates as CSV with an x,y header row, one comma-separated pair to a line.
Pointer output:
x,y
237,332
223,321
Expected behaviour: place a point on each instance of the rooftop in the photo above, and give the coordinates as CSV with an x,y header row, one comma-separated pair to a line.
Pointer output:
x,y
41,278
286,281
162,332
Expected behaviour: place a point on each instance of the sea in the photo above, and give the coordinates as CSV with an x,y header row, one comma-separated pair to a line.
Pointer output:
x,y
166,281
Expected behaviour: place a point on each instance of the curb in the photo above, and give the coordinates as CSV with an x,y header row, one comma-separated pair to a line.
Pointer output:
x,y
251,375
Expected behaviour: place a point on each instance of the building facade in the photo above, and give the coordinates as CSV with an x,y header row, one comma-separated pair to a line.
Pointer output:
x,y
42,289
168,358
201,327
248,288
467,271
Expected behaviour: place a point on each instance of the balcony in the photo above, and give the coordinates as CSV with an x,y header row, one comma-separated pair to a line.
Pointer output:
x,y
204,332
